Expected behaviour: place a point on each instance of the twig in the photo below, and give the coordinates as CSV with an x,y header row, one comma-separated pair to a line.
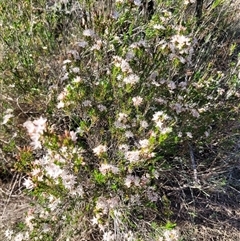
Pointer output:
x,y
194,166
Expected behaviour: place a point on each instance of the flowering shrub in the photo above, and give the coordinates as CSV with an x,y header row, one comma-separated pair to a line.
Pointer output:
x,y
133,91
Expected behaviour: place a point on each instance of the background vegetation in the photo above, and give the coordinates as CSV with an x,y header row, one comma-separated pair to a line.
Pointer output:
x,y
119,120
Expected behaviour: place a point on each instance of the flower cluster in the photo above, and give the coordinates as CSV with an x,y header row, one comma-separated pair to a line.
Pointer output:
x,y
35,130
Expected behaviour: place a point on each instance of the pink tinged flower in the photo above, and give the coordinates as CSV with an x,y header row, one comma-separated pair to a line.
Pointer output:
x,y
137,101
28,183
189,134
131,79
99,150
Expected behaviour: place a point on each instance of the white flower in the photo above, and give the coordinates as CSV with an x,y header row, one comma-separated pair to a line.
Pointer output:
x,y
132,179
186,2
122,117
35,171
159,124
81,44
19,237
97,45
122,63
6,118
137,100
171,85
28,221
87,103
88,33
67,61
180,41
189,134
158,26
144,143
131,79
137,2
119,125
102,107
53,170
128,134
206,133
73,135
60,105
177,107
108,236
157,115
94,220
77,191
171,235
195,113
144,124
8,234
28,183
123,147
132,156
104,168
75,70
68,180
99,150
